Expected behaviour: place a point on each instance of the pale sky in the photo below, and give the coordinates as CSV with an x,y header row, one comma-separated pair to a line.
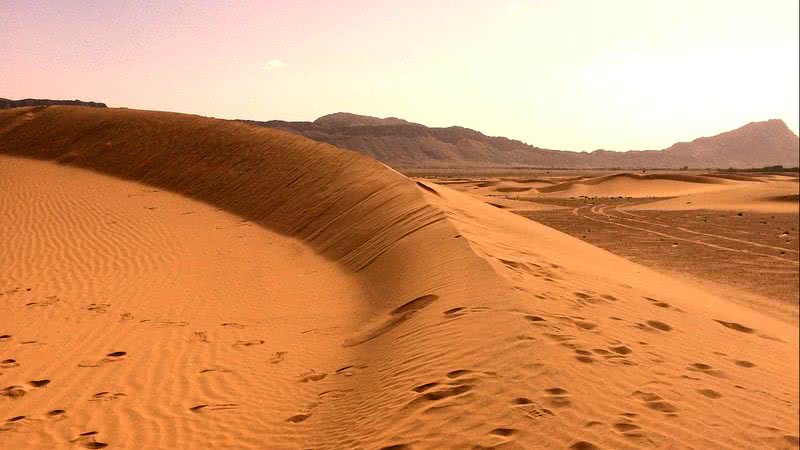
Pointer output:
x,y
569,74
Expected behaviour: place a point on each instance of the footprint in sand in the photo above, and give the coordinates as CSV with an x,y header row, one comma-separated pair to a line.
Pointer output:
x,y
16,422
297,418
535,319
655,401
322,331
107,396
621,350
251,343
15,392
311,375
231,325
616,353
497,437
8,363
349,371
628,429
530,408
706,369
424,387
10,291
446,391
661,326
304,413
5,337
334,394
735,326
213,407
198,336
504,432
710,393
454,312
48,301
453,374
99,308
216,370
585,325
88,439
115,356
557,397
659,303
583,298
126,316
277,357
109,358
39,383
583,445
56,415
584,356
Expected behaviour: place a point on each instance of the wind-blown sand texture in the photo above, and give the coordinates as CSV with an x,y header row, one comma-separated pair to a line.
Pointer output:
x,y
172,281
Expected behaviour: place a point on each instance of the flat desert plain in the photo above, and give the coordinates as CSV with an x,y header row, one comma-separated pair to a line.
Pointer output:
x,y
173,281
739,230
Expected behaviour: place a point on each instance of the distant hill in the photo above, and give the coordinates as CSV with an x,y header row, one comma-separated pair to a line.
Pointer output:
x,y
6,103
400,143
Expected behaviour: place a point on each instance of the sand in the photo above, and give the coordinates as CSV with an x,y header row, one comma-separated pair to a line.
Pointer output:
x,y
171,281
738,230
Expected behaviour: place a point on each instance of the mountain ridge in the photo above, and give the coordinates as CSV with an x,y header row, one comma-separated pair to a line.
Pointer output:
x,y
402,143
6,103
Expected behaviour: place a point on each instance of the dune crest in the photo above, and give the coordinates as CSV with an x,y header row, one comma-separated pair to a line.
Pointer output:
x,y
290,184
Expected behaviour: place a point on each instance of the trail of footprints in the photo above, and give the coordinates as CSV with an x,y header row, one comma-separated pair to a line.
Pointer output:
x,y
17,422
456,384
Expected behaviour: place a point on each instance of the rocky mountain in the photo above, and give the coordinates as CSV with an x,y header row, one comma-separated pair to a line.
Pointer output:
x,y
6,103
404,144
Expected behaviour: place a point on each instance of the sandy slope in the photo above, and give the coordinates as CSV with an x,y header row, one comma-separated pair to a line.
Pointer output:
x,y
333,303
209,310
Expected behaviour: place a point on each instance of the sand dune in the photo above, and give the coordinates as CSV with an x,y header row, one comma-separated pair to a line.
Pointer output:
x,y
172,281
632,185
775,196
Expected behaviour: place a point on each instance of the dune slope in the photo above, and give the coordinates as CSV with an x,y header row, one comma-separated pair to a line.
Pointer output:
x,y
362,310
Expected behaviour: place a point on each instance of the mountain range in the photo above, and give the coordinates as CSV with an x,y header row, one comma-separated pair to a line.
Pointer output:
x,y
6,103
403,144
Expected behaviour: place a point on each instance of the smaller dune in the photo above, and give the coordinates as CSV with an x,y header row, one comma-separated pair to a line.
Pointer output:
x,y
791,198
513,189
635,185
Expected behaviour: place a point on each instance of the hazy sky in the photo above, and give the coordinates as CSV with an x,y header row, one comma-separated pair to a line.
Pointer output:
x,y
576,75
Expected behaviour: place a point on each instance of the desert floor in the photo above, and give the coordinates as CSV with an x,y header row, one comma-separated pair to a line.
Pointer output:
x,y
172,281
738,231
